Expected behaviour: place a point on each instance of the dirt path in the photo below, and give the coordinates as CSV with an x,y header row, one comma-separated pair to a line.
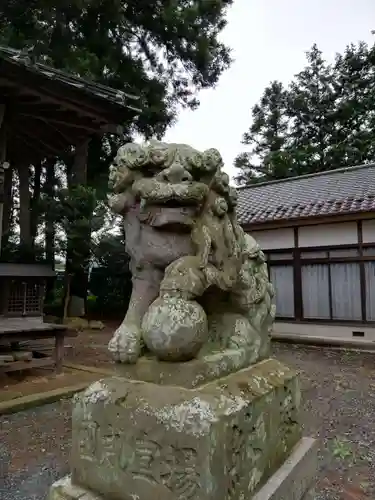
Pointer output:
x,y
339,409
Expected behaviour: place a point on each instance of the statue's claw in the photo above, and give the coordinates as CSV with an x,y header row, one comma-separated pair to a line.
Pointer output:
x,y
126,344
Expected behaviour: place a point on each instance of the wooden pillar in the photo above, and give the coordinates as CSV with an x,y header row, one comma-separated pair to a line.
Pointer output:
x,y
79,168
76,273
2,160
25,218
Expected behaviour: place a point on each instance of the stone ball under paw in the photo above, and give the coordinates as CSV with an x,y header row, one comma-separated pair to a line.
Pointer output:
x,y
175,329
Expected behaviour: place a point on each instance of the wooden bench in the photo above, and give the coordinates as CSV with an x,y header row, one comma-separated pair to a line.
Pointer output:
x,y
16,330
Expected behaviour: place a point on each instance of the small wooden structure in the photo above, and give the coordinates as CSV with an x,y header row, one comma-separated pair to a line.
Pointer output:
x,y
21,317
22,287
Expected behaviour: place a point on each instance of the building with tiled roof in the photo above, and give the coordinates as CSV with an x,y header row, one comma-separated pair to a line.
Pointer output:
x,y
342,191
318,234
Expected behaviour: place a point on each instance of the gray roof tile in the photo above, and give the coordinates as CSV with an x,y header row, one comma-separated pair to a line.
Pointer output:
x,y
341,191
114,96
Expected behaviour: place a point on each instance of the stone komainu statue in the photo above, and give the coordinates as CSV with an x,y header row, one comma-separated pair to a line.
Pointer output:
x,y
217,429
200,284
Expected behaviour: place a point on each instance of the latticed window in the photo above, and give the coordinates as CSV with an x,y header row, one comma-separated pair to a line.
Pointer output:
x,y
24,298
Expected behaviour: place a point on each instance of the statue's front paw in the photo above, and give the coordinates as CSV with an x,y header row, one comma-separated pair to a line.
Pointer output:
x,y
126,343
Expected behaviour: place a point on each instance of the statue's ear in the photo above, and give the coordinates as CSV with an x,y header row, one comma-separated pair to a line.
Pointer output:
x,y
212,160
132,155
120,203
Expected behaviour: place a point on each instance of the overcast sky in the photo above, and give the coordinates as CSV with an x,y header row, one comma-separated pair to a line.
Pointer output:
x,y
269,39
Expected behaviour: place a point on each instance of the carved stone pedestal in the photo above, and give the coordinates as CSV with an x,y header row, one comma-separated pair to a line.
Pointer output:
x,y
223,440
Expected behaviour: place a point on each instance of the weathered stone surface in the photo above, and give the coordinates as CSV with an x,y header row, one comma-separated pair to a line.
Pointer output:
x,y
63,489
193,266
221,441
294,480
191,374
76,323
96,325
175,329
76,307
310,495
190,415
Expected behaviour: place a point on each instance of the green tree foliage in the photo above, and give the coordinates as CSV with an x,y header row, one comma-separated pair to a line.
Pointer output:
x,y
266,139
324,120
355,108
164,50
110,278
311,113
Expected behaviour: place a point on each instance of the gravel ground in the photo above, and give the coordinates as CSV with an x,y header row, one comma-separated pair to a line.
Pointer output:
x,y
339,409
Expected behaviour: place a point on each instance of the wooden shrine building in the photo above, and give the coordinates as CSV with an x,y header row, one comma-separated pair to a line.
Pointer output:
x,y
44,113
318,234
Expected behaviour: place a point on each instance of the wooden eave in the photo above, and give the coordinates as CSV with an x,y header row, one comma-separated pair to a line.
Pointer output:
x,y
10,270
49,111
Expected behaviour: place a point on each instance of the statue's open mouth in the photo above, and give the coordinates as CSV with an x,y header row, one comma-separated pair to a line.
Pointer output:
x,y
170,206
173,195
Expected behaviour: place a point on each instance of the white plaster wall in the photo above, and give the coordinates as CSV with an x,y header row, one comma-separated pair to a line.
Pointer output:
x,y
368,231
319,331
344,233
272,239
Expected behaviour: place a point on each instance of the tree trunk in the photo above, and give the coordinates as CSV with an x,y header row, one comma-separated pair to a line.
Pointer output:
x,y
35,203
49,218
2,173
77,262
7,208
49,239
25,219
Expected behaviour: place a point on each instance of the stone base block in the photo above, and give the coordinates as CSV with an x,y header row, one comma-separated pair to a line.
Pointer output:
x,y
220,441
293,480
191,374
